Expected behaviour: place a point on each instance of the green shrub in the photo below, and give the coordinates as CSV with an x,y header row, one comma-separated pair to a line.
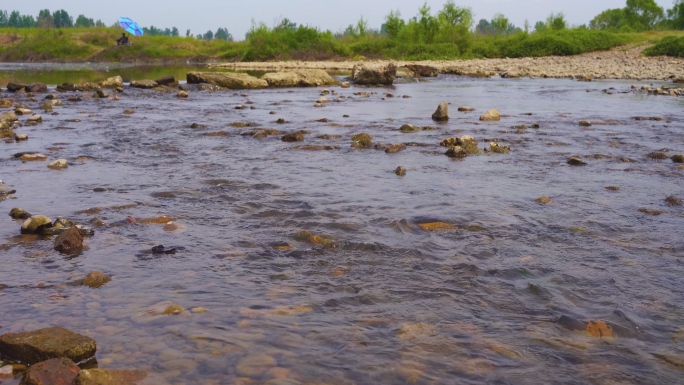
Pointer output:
x,y
669,46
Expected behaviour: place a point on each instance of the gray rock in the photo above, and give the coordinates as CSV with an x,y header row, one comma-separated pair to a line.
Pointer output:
x,y
146,83
4,190
442,113
40,345
112,82
299,78
8,117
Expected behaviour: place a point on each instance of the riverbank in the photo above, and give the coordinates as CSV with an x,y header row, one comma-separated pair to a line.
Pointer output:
x,y
619,63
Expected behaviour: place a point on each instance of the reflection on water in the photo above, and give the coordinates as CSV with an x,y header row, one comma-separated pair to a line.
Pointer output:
x,y
368,295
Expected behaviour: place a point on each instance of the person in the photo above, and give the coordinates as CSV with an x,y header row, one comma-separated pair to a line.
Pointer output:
x,y
123,40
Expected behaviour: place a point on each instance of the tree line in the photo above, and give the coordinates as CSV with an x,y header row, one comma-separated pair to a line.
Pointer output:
x,y
62,19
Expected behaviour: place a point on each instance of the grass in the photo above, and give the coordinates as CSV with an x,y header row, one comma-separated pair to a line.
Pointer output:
x,y
306,43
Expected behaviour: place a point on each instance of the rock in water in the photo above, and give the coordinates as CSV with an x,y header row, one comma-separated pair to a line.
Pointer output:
x,y
442,113
299,78
409,128
17,213
58,164
8,117
400,171
364,73
585,123
70,241
147,84
40,345
117,377
395,148
423,70
113,82
575,161
55,371
491,116
182,94
679,158
96,279
166,80
466,109
233,81
36,224
4,190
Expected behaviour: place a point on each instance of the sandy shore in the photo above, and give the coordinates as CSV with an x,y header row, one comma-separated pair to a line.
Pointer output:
x,y
620,63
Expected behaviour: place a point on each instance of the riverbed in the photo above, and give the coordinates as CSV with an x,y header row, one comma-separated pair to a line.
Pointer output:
x,y
372,294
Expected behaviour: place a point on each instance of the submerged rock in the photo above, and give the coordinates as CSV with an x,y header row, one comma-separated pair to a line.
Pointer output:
x,y
18,213
679,158
362,140
96,279
409,128
293,137
40,345
466,109
395,148
442,113
400,171
117,377
4,190
55,371
673,201
374,74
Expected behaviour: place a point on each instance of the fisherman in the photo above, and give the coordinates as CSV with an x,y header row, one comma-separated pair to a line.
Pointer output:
x,y
123,40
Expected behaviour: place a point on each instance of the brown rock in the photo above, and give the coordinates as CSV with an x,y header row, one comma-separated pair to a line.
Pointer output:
x,y
255,366
442,113
679,158
673,201
423,70
36,224
70,241
293,137
147,84
55,371
32,157
466,109
491,116
117,377
585,123
17,213
166,80
575,161
96,279
373,74
400,171
395,148
44,344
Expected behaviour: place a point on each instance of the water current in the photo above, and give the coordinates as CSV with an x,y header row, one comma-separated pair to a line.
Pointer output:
x,y
373,297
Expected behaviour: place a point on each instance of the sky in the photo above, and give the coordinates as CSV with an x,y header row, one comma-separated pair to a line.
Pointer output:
x,y
199,16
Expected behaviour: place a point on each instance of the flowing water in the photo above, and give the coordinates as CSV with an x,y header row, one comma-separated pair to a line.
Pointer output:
x,y
490,296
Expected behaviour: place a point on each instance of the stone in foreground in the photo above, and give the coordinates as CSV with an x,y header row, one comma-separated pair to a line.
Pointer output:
x,y
70,242
41,345
56,371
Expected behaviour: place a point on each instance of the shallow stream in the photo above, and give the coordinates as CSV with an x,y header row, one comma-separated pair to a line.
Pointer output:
x,y
375,298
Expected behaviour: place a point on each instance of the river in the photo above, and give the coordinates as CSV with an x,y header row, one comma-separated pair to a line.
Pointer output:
x,y
373,297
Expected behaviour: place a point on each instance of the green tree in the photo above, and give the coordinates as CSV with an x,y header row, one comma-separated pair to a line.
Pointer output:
x,y
453,15
45,19
361,27
484,27
501,25
676,15
427,24
4,18
394,24
174,32
62,19
209,35
223,34
84,22
14,19
643,14
610,19
556,21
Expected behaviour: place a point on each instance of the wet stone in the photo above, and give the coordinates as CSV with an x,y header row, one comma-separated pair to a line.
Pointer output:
x,y
117,377
442,113
679,158
575,161
55,371
395,148
58,164
491,116
657,155
673,201
400,171
293,137
70,241
96,279
409,128
40,345
466,109
585,123
19,213
255,366
36,224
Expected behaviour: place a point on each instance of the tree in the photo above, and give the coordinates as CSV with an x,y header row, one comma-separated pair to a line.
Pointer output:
x,y
427,24
187,33
62,19
609,19
501,25
84,22
286,25
4,18
676,15
393,24
14,19
556,21
361,26
45,19
174,32
643,14
484,27
223,34
453,15
208,35
100,23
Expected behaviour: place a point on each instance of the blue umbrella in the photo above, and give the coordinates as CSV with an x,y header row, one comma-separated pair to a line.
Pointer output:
x,y
130,26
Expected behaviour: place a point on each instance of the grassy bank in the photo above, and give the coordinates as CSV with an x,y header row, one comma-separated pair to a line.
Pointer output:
x,y
306,43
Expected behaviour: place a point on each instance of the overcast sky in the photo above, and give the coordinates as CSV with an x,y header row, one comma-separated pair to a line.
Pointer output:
x,y
202,15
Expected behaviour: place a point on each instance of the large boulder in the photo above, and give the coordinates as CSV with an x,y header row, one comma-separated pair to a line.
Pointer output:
x,y
147,84
36,224
373,74
112,82
166,80
70,241
36,87
491,116
300,78
230,80
40,345
55,371
87,86
14,87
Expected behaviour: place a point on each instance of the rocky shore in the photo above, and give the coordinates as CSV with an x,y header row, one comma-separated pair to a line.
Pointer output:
x,y
620,63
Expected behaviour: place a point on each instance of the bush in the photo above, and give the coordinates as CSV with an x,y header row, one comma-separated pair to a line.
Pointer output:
x,y
668,46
